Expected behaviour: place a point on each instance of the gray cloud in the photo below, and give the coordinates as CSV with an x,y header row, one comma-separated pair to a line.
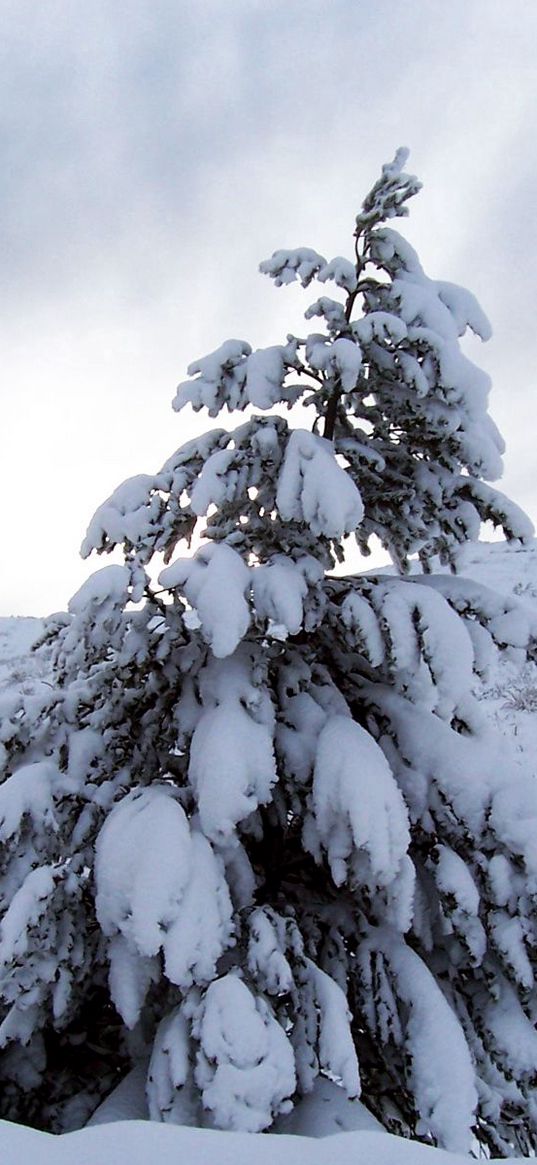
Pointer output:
x,y
154,152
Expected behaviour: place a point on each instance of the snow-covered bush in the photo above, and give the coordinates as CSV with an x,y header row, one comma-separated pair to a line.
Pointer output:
x,y
258,829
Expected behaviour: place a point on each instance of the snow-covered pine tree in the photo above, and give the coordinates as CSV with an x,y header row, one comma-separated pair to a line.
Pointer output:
x,y
255,828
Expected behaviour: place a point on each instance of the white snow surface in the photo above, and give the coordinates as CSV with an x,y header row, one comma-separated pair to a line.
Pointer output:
x,y
142,1143
279,589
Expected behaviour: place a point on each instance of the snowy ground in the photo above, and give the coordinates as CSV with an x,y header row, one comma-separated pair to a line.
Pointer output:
x,y
510,700
510,693
139,1143
16,638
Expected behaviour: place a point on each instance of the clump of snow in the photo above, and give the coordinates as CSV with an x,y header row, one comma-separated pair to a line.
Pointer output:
x,y
440,1063
380,325
106,587
313,488
128,515
218,378
170,1094
265,373
337,1053
340,358
159,887
142,867
232,747
215,582
28,904
266,958
302,263
359,812
342,271
212,485
29,792
245,1067
330,310
280,588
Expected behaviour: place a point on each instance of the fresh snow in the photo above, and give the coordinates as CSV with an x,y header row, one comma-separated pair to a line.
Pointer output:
x,y
214,582
139,1143
508,698
314,489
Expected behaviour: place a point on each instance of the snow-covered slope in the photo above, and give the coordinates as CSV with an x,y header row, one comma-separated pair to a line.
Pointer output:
x,y
17,635
142,1143
510,691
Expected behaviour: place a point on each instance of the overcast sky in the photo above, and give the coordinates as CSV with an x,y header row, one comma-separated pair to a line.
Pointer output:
x,y
153,151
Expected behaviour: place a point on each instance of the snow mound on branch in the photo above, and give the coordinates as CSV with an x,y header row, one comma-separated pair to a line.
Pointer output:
x,y
232,748
215,583
379,325
142,865
313,488
427,639
302,263
492,502
26,907
464,309
337,1053
245,1068
279,590
212,486
445,308
29,792
359,811
107,587
266,369
219,377
152,871
330,310
128,515
514,1034
170,1090
341,358
440,1063
342,271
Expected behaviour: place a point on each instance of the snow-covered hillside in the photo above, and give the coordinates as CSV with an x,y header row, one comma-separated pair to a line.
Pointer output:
x,y
159,1144
509,691
509,696
17,635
